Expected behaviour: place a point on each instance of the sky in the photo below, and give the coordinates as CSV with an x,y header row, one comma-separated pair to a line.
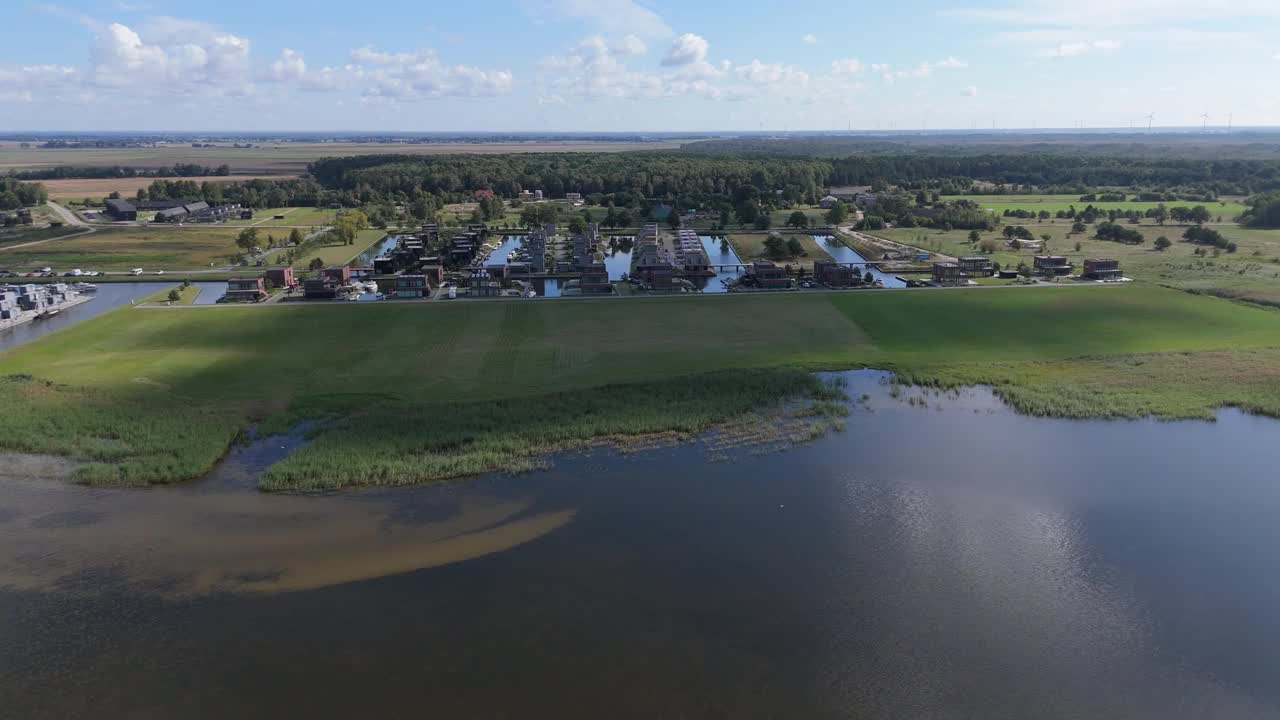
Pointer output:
x,y
637,65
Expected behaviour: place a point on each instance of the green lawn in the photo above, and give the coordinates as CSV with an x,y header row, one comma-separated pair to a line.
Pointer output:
x,y
122,248
333,254
1228,209
422,391
1251,273
750,246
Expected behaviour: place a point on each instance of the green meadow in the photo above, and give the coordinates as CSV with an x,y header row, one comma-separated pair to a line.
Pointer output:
x,y
414,392
1228,209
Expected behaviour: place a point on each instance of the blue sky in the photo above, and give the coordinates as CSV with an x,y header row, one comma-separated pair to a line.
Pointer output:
x,y
644,65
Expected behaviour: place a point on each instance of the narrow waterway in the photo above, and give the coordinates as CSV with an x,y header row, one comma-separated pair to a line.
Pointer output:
x,y
941,558
720,254
109,295
844,254
617,257
382,247
508,245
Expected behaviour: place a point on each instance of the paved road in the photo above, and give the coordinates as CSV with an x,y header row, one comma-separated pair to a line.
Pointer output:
x,y
68,217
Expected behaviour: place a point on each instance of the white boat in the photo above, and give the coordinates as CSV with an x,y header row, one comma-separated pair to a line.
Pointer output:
x,y
85,287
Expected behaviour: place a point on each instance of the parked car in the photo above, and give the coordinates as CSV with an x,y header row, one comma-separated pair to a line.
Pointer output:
x,y
136,271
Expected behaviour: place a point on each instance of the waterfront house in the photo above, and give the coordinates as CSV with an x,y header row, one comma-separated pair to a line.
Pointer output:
x,y
281,277
948,273
320,288
976,266
413,286
595,280
1102,269
483,284
1055,265
246,290
339,274
833,275
769,276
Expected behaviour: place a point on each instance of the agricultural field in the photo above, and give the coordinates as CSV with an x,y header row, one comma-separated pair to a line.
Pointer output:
x,y
99,188
750,246
123,248
283,158
301,217
1251,273
1228,209
442,389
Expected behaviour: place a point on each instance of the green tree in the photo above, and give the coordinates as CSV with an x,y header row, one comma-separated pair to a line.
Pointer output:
x,y
763,221
974,236
794,247
247,239
174,295
775,247
798,220
837,214
1162,243
295,237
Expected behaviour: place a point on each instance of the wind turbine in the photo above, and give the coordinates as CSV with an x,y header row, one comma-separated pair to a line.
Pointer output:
x,y
1230,117
1150,117
1204,127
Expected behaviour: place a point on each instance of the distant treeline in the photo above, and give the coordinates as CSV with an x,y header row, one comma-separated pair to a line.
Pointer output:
x,y
68,172
650,174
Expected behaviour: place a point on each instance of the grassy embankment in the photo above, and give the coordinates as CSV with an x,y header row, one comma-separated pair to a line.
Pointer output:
x,y
415,393
1251,273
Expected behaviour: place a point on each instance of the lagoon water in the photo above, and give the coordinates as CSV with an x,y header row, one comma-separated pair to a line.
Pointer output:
x,y
943,558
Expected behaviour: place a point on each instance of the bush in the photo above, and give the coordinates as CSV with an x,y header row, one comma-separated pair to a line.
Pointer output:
x,y
1162,243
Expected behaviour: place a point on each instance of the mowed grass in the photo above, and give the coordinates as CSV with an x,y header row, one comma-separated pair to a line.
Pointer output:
x,y
333,254
154,395
1228,209
122,248
1252,273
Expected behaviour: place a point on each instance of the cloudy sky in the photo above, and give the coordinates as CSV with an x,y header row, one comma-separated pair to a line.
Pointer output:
x,y
644,65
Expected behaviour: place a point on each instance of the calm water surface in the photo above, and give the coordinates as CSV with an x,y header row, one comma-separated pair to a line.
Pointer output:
x,y
844,254
950,561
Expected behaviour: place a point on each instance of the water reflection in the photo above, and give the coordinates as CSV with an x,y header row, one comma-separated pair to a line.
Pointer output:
x,y
941,558
721,253
844,254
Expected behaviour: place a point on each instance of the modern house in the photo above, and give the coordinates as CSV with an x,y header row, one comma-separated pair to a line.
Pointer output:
x,y
595,280
769,276
976,266
833,275
320,288
121,210
691,257
340,274
828,202
413,286
246,290
949,273
483,284
1055,265
1102,269
281,277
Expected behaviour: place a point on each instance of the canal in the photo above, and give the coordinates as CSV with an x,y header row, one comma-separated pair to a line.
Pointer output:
x,y
842,253
505,248
943,557
720,254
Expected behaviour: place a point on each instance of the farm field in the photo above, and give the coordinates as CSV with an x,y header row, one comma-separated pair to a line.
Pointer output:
x,y
440,389
1251,273
123,248
293,217
127,187
750,246
283,158
1227,209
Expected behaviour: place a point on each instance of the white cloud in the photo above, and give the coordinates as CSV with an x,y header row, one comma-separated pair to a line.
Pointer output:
x,y
970,91
613,16
772,74
290,66
174,50
809,39
630,45
422,75
1076,48
686,49
848,66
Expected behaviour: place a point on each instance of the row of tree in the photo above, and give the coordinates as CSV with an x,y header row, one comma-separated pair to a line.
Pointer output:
x,y
123,171
16,194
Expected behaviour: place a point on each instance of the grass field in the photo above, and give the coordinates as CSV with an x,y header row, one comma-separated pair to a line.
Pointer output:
x,y
417,392
293,217
1252,273
122,248
750,246
1228,209
332,254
